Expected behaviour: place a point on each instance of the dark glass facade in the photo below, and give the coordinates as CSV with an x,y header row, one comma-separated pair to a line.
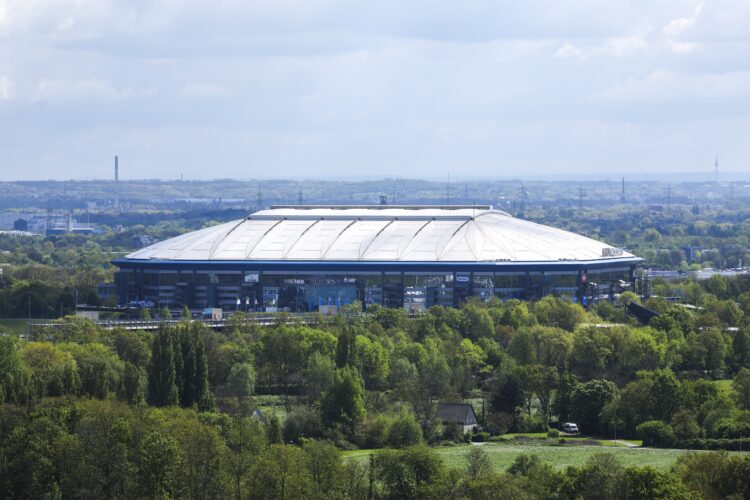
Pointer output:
x,y
297,289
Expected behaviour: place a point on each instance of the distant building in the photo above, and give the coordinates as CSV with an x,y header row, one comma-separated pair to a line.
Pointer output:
x,y
457,413
319,258
20,225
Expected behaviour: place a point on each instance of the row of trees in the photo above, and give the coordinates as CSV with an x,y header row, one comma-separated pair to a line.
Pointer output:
x,y
87,449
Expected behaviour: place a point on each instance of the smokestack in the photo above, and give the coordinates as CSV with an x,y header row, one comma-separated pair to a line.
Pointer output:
x,y
117,181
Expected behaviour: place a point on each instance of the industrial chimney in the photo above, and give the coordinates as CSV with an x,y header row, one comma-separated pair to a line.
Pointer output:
x,y
117,181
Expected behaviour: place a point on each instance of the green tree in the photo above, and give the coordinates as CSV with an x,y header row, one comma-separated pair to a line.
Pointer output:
x,y
476,322
563,402
318,376
408,473
741,349
345,348
588,401
54,372
648,482
162,390
344,403
323,462
241,380
404,431
131,384
273,430
15,377
203,397
158,459
741,387
715,475
246,440
477,463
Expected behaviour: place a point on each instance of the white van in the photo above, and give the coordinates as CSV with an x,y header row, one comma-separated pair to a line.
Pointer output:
x,y
570,428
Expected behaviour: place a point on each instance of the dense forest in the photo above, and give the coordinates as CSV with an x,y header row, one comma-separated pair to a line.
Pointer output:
x,y
92,413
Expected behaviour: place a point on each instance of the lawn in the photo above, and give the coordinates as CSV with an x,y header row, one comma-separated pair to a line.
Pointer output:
x,y
13,326
502,455
724,386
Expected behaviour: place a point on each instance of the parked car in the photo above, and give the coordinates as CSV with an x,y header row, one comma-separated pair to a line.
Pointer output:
x,y
570,428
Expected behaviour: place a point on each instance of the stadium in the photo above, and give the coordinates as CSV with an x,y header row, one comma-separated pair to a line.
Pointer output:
x,y
319,258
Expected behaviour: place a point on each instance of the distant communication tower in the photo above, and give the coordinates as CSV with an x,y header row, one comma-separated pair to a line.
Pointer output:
x,y
117,183
581,195
716,169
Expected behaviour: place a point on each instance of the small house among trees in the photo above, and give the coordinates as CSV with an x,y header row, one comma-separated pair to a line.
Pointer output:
x,y
457,413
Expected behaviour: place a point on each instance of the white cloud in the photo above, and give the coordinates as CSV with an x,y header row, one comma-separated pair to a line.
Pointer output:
x,y
668,85
621,46
329,86
677,26
6,88
570,51
83,90
204,91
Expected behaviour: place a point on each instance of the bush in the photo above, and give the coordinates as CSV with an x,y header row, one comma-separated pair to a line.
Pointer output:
x,y
480,437
527,424
656,433
553,433
404,431
374,431
730,429
434,431
303,423
498,439
453,432
713,444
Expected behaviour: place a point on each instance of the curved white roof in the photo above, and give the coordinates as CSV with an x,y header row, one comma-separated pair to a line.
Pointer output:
x,y
381,233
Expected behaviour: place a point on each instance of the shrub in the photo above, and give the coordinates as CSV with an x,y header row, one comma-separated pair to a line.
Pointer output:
x,y
374,432
553,433
656,433
453,432
714,444
480,437
303,423
404,431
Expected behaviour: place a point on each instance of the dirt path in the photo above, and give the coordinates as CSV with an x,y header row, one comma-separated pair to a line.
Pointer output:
x,y
625,443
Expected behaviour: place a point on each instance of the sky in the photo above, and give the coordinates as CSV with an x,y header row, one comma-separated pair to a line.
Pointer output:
x,y
340,89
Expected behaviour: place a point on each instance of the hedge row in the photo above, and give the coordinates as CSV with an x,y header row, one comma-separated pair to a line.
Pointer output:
x,y
713,444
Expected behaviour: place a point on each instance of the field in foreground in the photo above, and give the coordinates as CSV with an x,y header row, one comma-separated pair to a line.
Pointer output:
x,y
502,455
13,326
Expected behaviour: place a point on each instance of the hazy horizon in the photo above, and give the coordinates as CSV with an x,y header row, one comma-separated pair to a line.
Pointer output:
x,y
332,90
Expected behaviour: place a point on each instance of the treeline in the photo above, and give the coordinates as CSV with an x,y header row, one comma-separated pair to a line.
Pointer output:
x,y
89,449
718,236
376,380
93,413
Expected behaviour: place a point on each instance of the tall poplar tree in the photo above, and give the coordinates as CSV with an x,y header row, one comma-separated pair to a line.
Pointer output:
x,y
202,392
162,390
188,366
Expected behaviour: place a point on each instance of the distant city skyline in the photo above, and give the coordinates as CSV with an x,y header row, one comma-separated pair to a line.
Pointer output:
x,y
332,89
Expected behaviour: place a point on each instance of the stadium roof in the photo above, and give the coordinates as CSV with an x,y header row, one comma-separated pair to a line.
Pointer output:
x,y
381,233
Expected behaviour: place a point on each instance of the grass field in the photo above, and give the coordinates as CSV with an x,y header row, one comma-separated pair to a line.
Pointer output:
x,y
502,455
724,387
13,326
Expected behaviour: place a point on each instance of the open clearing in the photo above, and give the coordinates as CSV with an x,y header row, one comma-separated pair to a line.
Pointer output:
x,y
502,455
13,326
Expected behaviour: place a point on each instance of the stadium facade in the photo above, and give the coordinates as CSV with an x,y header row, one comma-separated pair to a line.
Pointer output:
x,y
318,258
